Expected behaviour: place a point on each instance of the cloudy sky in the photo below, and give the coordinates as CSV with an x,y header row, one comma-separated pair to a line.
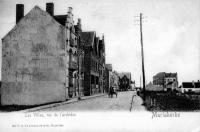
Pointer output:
x,y
171,31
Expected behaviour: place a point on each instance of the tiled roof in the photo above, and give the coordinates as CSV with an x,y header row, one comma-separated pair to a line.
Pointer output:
x,y
187,85
109,66
160,74
191,84
88,37
61,19
170,74
127,74
197,84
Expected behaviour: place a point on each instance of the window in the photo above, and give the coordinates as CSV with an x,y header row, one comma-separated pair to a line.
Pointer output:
x,y
97,80
92,79
70,55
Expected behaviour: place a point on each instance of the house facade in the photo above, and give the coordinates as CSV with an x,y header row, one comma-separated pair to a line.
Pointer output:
x,y
187,87
94,63
76,51
80,58
124,81
34,60
112,78
169,81
158,79
115,80
42,58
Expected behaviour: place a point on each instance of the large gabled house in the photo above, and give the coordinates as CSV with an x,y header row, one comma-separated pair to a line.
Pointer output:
x,y
94,62
39,58
169,81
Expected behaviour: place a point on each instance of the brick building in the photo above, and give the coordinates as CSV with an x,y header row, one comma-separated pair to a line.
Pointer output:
x,y
158,79
168,81
124,81
94,62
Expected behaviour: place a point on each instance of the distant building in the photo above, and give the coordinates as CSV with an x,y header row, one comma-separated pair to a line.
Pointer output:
x,y
94,62
112,78
107,76
124,81
159,79
190,87
115,80
169,81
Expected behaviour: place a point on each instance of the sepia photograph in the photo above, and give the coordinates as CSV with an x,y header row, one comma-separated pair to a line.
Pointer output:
x,y
100,65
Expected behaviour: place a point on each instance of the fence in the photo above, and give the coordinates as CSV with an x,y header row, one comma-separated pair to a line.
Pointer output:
x,y
172,101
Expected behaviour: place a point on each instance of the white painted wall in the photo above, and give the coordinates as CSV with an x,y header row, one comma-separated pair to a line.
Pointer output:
x,y
34,61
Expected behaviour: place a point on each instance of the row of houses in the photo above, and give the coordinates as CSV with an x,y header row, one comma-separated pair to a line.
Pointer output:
x,y
190,87
120,81
48,58
169,81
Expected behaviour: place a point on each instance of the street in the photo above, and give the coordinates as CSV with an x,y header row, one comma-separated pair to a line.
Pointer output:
x,y
103,103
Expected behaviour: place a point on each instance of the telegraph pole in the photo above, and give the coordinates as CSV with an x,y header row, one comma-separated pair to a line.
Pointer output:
x,y
142,54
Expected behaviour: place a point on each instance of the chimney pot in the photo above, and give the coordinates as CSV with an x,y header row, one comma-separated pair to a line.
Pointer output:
x,y
19,12
70,10
79,20
50,8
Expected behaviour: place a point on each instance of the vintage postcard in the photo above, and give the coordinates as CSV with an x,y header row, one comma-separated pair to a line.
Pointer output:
x,y
100,65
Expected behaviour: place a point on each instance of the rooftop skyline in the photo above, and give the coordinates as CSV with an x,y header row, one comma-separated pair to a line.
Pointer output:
x,y
170,31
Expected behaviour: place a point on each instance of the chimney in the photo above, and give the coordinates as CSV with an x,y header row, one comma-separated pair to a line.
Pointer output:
x,y
19,12
70,10
79,23
50,8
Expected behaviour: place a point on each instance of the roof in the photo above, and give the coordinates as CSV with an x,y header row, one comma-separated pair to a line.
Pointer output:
x,y
187,85
127,74
197,84
88,37
109,66
34,10
170,74
159,74
60,19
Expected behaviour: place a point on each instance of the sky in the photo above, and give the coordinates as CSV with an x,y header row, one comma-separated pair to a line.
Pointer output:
x,y
170,32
